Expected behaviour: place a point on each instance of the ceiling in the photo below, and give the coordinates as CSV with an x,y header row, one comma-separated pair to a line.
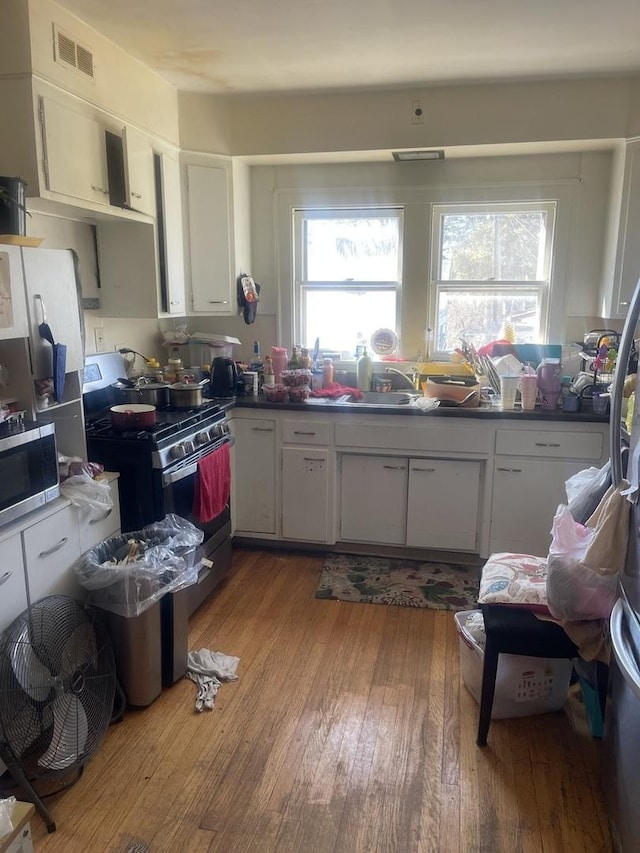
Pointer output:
x,y
281,46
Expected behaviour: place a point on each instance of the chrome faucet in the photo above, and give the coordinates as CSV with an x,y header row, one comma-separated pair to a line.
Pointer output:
x,y
410,380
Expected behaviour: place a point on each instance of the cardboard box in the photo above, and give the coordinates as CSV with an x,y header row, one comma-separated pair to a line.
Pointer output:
x,y
524,685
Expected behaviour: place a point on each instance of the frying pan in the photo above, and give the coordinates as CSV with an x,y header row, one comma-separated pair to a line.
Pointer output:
x,y
59,353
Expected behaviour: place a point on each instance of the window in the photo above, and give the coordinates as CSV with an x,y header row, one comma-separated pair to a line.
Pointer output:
x,y
348,275
491,264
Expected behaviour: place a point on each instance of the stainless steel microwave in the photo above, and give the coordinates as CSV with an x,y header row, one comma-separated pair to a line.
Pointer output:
x,y
28,468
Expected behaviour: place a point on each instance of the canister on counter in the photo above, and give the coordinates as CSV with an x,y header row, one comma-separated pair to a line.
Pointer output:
x,y
250,383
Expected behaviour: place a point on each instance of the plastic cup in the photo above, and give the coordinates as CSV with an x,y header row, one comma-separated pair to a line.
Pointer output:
x,y
528,391
508,388
600,404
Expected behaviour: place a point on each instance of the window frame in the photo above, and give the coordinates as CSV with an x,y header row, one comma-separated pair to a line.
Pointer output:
x,y
303,286
543,286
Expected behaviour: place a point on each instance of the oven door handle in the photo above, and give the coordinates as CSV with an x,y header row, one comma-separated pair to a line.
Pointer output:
x,y
170,477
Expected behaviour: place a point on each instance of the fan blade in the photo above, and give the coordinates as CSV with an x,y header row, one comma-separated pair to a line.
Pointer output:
x,y
70,732
31,673
79,649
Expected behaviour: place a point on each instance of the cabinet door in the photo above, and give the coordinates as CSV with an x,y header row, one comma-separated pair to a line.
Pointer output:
x,y
50,275
139,184
210,239
13,309
82,175
51,547
526,494
95,525
254,481
373,499
442,509
305,494
171,235
13,591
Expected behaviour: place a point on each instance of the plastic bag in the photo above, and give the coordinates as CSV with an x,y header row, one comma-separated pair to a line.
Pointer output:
x,y
6,812
584,560
127,574
586,489
82,490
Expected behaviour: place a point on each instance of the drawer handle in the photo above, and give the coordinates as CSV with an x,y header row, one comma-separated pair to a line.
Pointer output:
x,y
312,459
547,444
511,470
99,189
262,429
55,548
218,302
395,467
300,432
5,577
102,518
426,470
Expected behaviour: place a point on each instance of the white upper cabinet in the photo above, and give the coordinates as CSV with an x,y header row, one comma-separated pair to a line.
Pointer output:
x,y
138,171
217,233
622,253
210,239
75,160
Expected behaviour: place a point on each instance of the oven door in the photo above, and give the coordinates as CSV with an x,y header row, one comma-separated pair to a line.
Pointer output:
x,y
178,487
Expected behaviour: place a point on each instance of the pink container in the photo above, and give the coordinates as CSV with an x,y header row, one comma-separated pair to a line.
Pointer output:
x,y
549,383
280,359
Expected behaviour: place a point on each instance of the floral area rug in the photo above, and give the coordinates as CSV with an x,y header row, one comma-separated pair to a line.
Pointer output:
x,y
406,583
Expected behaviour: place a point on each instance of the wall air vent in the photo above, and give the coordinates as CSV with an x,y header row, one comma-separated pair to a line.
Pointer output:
x,y
70,54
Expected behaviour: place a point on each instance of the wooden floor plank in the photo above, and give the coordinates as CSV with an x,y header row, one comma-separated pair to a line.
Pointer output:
x,y
348,731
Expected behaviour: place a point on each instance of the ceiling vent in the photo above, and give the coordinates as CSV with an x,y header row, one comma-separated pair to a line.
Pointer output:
x,y
70,54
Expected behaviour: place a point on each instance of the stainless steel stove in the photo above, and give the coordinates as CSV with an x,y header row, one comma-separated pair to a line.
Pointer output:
x,y
158,466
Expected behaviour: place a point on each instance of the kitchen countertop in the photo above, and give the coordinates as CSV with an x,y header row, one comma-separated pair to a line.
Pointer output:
x,y
482,412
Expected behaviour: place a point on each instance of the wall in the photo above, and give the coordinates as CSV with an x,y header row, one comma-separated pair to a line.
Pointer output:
x,y
500,113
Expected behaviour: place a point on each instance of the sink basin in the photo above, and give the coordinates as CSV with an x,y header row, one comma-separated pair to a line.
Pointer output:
x,y
382,398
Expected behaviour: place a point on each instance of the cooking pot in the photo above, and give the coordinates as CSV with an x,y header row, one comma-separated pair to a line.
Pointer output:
x,y
457,390
224,377
186,395
152,393
133,416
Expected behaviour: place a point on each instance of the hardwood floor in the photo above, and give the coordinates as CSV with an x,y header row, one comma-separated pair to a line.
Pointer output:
x,y
348,730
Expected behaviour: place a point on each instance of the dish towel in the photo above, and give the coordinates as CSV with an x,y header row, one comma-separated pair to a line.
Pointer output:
x,y
209,669
213,484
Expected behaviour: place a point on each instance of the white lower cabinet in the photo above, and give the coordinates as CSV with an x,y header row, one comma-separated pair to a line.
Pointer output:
x,y
13,590
51,546
254,481
526,494
443,504
373,499
305,494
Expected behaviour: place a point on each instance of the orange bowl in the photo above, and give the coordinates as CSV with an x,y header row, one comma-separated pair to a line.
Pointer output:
x,y
453,389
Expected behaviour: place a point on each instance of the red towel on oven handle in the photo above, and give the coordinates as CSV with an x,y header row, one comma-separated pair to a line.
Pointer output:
x,y
213,484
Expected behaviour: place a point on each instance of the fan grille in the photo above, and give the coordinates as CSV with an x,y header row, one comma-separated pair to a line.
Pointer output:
x,y
57,685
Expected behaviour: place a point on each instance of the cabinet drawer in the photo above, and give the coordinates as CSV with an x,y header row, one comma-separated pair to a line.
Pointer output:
x,y
13,591
306,432
51,547
566,445
453,438
96,525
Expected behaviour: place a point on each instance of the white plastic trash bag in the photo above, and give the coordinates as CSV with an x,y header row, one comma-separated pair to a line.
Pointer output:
x,y
585,560
83,491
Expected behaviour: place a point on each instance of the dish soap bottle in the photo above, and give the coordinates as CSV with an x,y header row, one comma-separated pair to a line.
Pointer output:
x,y
364,371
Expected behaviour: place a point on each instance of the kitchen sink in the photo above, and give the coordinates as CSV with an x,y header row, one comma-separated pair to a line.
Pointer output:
x,y
380,398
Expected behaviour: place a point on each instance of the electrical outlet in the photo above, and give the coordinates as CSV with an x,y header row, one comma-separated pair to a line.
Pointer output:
x,y
417,112
98,334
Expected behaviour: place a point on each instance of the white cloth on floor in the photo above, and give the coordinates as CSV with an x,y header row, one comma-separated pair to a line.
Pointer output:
x,y
209,669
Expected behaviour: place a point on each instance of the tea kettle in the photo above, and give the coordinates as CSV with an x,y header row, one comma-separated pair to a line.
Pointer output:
x,y
224,378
